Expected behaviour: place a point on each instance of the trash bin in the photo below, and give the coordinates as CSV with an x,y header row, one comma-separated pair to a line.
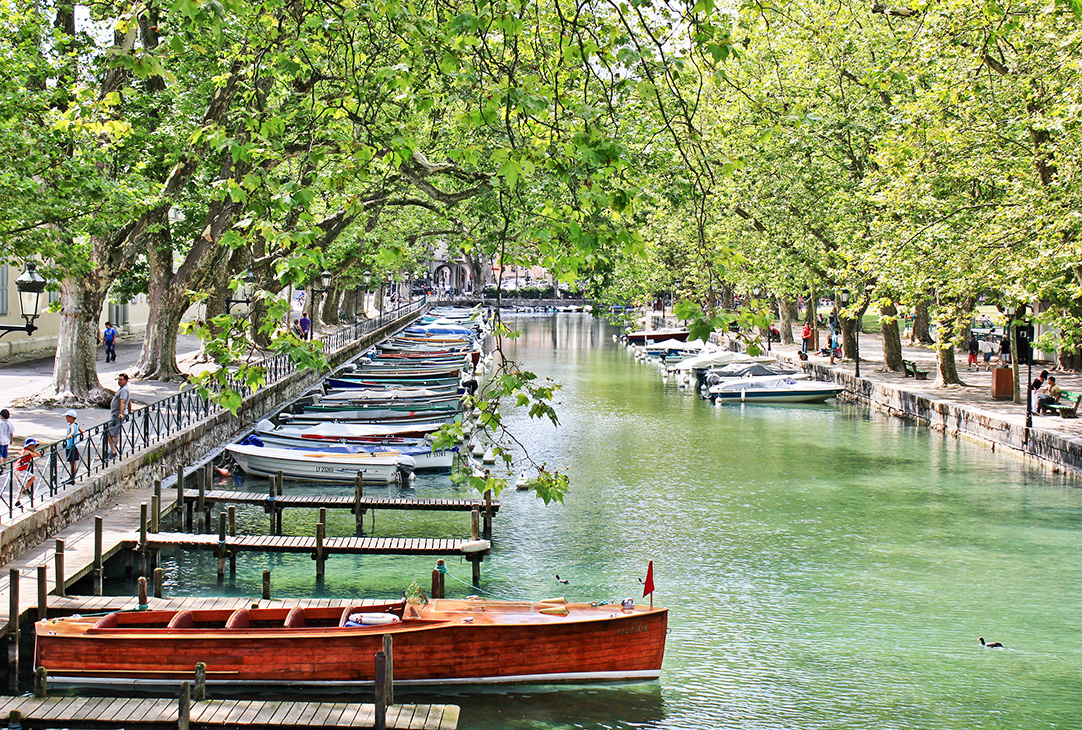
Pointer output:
x,y
1002,384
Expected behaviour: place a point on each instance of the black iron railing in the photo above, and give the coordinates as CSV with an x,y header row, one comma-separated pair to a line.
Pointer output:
x,y
59,468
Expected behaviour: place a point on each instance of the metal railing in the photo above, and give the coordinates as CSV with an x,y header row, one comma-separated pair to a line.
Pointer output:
x,y
58,468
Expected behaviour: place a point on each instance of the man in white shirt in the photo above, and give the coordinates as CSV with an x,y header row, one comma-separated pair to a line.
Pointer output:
x,y
7,432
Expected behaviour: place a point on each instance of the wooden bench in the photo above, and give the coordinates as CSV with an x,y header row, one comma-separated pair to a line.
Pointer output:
x,y
1067,406
911,368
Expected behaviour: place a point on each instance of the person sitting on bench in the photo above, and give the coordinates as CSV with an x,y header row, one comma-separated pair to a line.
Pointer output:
x,y
1051,395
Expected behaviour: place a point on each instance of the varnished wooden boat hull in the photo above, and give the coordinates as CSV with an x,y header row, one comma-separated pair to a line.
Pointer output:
x,y
518,644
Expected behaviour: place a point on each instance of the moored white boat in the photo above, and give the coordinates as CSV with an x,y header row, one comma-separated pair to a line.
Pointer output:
x,y
316,466
777,389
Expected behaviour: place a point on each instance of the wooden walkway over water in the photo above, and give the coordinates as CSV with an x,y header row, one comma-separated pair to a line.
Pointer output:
x,y
341,502
313,545
156,714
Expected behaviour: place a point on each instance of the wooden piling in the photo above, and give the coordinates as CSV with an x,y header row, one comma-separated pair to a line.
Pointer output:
x,y
143,600
59,560
41,683
201,500
180,489
13,629
272,488
438,579
281,479
155,513
475,525
43,592
222,550
381,691
487,529
159,583
99,566
388,669
200,692
232,533
319,556
142,539
475,564
323,515
184,708
266,585
15,719
358,495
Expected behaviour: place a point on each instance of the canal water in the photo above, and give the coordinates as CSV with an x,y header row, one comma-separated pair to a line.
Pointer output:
x,y
824,567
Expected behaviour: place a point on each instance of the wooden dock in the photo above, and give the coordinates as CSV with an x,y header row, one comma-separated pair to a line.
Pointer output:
x,y
341,502
312,545
156,714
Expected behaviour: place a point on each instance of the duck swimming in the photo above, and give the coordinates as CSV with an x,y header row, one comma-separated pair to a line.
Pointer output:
x,y
990,644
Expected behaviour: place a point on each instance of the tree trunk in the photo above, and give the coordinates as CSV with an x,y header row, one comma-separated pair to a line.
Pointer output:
x,y
785,311
349,304
75,370
811,318
946,367
1070,359
892,339
329,310
921,325
158,358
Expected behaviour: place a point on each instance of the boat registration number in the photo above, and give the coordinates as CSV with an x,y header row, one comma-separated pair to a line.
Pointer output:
x,y
631,629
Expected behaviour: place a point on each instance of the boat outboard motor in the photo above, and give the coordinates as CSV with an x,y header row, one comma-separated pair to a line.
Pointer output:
x,y
285,418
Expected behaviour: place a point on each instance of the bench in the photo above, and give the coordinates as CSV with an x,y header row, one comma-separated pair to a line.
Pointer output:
x,y
1067,406
911,368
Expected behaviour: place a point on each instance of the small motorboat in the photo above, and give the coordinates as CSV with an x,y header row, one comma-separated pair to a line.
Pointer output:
x,y
383,468
644,336
442,642
774,389
425,459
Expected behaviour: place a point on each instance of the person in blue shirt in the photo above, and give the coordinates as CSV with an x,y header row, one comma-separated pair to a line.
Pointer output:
x,y
109,338
71,444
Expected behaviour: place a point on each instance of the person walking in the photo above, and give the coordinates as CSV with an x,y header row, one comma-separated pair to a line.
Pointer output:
x,y
306,326
1005,350
805,337
119,408
71,444
974,348
109,338
24,469
7,432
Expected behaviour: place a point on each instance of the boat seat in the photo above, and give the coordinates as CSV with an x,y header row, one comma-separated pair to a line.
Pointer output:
x,y
183,620
239,619
295,619
107,622
346,614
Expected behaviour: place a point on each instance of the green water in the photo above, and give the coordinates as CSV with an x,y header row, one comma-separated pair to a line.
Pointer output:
x,y
825,567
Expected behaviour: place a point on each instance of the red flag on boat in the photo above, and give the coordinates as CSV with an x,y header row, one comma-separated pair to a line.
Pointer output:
x,y
648,584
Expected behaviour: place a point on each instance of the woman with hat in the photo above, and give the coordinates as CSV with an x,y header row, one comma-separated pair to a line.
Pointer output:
x,y
71,440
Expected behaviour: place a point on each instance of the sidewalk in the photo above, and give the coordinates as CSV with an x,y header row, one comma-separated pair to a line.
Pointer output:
x,y
975,396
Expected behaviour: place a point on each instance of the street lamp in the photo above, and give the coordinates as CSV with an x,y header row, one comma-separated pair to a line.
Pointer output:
x,y
30,285
367,276
249,279
843,298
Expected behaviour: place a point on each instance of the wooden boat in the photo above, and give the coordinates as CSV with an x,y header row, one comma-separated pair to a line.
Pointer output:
x,y
424,457
642,336
441,642
348,432
381,468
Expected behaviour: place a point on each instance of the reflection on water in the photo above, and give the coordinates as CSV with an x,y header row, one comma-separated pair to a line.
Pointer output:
x,y
825,567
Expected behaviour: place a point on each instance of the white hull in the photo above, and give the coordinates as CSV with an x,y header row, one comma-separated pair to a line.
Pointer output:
x,y
426,459
798,392
315,466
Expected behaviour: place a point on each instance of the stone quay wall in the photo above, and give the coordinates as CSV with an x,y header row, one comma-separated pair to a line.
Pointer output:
x,y
1054,451
162,460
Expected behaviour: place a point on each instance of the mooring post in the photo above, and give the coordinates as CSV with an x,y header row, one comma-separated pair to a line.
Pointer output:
x,y
13,629
358,497
155,513
99,565
278,512
320,532
438,578
266,585
475,563
487,529
159,582
200,692
232,533
43,592
272,495
475,524
15,720
381,691
201,500
143,600
180,491
142,539
222,517
388,669
281,479
41,683
184,710
60,580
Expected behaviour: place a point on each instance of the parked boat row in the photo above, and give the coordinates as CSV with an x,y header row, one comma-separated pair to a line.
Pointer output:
x,y
375,417
725,376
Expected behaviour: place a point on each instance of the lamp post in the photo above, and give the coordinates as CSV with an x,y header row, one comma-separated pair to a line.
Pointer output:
x,y
249,279
843,297
1029,385
756,292
325,281
30,285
